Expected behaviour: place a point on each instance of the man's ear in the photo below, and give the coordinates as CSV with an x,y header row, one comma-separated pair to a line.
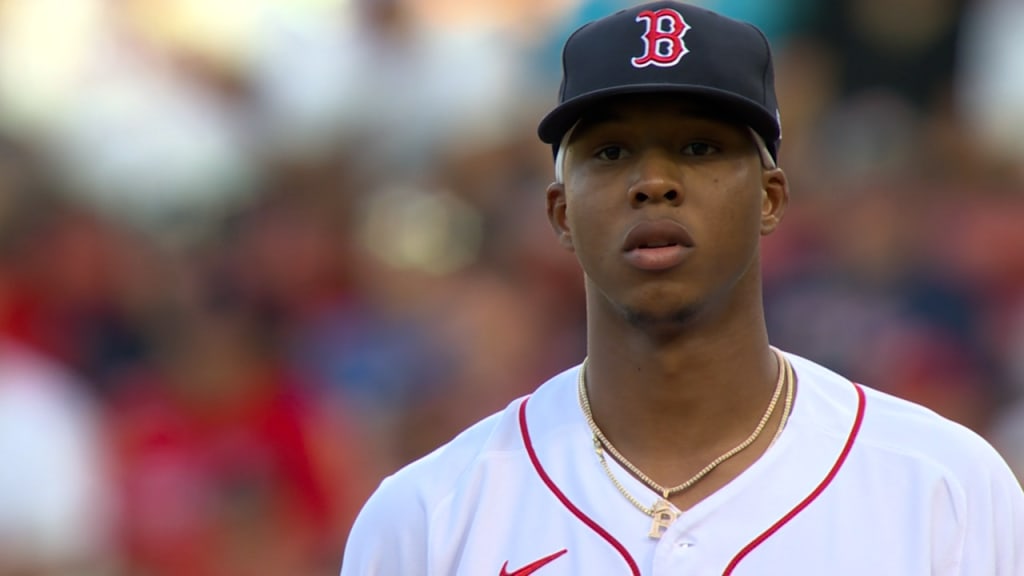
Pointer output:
x,y
558,215
774,199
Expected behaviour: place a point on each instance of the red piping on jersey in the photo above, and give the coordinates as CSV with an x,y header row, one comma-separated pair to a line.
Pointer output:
x,y
565,500
813,495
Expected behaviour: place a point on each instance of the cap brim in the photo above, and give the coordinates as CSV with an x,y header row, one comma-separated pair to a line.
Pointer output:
x,y
720,104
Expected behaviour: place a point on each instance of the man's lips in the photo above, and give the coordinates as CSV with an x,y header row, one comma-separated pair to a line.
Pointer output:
x,y
657,244
657,233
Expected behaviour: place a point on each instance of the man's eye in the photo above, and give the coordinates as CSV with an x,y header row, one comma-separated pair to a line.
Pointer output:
x,y
699,149
610,153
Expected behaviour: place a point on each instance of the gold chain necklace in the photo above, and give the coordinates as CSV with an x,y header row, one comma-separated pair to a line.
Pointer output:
x,y
787,406
663,512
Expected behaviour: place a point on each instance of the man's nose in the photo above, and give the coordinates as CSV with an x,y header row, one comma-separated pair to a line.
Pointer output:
x,y
656,180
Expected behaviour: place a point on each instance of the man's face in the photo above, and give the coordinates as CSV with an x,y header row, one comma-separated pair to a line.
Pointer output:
x,y
664,207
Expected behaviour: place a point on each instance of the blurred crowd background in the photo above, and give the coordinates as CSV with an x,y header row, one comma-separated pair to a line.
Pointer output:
x,y
257,254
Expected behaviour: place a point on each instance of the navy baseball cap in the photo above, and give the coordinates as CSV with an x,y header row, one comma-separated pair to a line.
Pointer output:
x,y
669,47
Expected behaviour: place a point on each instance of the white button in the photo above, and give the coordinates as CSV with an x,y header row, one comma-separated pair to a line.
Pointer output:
x,y
684,545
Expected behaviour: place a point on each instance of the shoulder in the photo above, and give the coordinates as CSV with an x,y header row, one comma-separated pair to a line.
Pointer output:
x,y
901,439
903,448
433,476
393,532
896,425
496,437
901,427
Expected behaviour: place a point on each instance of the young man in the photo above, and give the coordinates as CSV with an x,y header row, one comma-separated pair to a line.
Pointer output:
x,y
685,443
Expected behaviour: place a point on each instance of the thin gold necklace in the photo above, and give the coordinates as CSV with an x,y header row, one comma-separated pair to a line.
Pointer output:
x,y
663,512
787,406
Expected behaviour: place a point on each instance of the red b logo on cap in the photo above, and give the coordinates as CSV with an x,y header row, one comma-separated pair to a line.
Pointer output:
x,y
663,40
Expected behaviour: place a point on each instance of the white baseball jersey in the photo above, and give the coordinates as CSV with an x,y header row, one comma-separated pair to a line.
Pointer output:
x,y
858,483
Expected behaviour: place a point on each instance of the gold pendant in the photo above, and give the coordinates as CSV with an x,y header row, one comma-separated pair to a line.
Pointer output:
x,y
664,515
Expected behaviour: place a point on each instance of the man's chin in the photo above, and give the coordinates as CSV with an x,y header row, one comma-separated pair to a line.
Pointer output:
x,y
661,321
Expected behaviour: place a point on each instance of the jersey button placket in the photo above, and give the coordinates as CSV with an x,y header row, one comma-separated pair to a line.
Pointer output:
x,y
683,548
676,553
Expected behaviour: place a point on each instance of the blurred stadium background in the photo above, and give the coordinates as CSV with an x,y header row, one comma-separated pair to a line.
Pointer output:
x,y
256,254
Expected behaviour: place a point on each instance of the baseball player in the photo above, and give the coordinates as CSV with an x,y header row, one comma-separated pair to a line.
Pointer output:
x,y
684,443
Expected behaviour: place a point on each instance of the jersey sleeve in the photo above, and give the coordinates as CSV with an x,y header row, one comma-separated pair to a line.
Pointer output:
x,y
993,540
389,536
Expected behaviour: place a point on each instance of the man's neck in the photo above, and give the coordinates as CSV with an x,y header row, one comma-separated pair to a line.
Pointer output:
x,y
683,399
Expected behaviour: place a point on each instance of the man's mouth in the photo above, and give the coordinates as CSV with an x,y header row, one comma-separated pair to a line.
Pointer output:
x,y
657,244
647,245
657,234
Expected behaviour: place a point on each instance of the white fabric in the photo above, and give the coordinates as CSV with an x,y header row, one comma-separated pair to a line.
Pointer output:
x,y
917,495
989,85
561,157
55,494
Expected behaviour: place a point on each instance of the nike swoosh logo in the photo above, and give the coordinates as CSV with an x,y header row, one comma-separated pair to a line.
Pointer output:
x,y
531,567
